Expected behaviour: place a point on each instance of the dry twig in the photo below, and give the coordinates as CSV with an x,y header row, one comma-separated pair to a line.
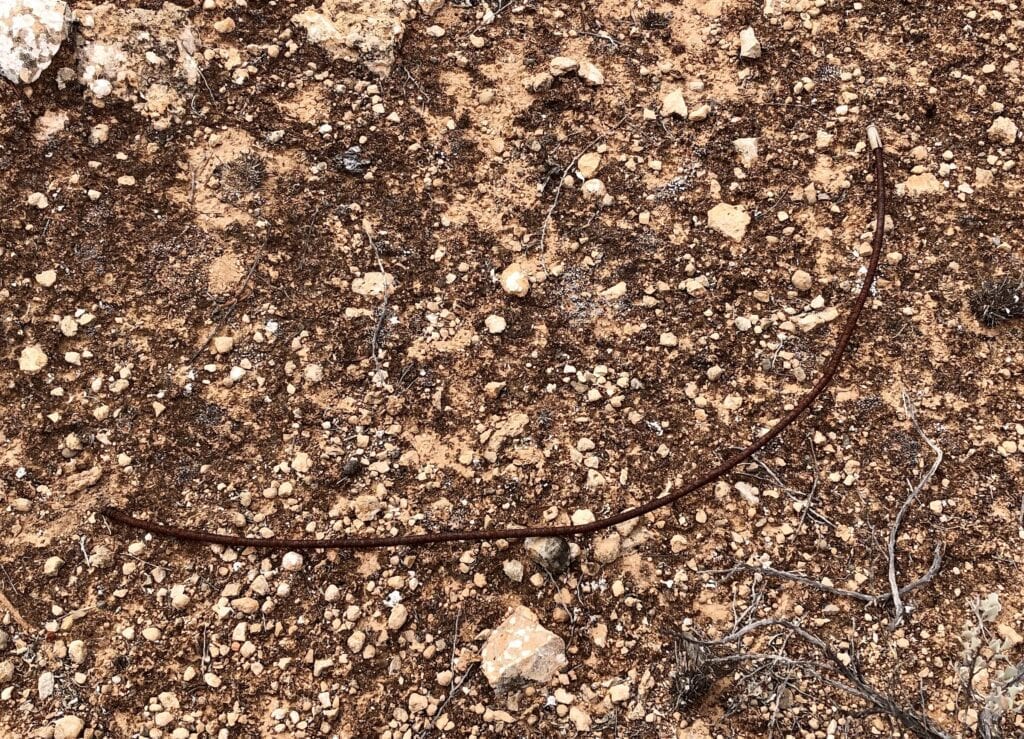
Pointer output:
x,y
851,680
898,606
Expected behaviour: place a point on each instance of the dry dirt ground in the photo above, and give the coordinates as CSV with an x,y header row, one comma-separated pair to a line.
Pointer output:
x,y
253,327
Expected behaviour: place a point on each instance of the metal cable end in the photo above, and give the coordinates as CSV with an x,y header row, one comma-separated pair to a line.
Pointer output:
x,y
874,139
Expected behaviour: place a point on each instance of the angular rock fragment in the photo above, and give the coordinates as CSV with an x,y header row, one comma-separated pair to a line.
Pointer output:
x,y
520,649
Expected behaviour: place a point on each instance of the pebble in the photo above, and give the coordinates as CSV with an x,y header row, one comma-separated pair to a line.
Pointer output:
x,y
38,200
580,718
538,82
77,651
747,150
495,324
223,344
47,277
700,113
561,65
68,727
668,338
431,6
31,32
619,693
750,47
52,566
225,25
245,605
582,517
514,280
674,103
33,358
398,616
549,552
811,321
1003,131
594,188
729,220
588,164
356,640
922,185
45,685
291,562
99,134
68,326
589,72
521,649
513,569
802,281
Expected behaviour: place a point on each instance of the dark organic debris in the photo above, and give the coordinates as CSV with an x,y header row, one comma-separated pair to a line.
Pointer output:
x,y
352,162
242,175
653,20
995,302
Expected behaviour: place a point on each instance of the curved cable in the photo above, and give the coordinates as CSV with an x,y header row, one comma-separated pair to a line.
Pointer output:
x,y
119,516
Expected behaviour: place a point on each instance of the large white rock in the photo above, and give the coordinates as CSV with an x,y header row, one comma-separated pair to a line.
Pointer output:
x,y
521,649
31,32
357,30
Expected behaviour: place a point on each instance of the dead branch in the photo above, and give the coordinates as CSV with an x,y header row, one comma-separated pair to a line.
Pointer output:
x,y
898,606
854,683
871,600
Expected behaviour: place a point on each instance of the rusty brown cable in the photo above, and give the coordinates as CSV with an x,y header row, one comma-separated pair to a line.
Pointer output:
x,y
410,540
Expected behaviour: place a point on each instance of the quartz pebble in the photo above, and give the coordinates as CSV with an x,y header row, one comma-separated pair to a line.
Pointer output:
x,y
514,280
291,562
494,324
32,359
750,47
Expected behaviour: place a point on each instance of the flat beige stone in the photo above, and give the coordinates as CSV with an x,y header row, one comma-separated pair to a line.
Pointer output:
x,y
521,649
729,220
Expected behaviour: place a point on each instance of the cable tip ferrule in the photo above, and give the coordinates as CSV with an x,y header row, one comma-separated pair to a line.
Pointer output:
x,y
874,138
